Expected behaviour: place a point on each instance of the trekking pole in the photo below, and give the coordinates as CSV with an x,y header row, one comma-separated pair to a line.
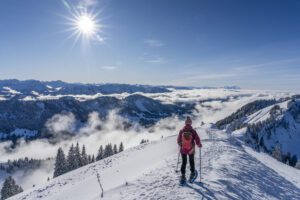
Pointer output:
x,y
177,162
200,163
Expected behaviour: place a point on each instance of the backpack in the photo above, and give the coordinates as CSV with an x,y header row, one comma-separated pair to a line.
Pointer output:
x,y
186,139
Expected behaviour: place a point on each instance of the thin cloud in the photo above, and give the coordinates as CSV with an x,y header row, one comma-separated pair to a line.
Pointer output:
x,y
266,64
109,67
204,78
158,60
207,77
154,43
213,76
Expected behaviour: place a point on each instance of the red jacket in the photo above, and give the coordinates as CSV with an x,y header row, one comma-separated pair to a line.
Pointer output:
x,y
195,139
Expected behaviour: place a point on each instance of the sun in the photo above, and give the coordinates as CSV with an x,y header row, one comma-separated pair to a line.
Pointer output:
x,y
86,25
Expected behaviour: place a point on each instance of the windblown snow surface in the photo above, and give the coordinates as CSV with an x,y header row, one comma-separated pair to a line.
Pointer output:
x,y
230,170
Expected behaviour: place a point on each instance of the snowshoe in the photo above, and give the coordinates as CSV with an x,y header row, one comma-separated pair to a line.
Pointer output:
x,y
193,176
182,181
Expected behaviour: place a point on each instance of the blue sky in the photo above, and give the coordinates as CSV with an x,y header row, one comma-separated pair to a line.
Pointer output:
x,y
248,43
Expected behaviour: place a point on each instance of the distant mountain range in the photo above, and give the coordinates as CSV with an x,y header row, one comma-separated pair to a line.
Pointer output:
x,y
27,118
27,105
34,87
16,88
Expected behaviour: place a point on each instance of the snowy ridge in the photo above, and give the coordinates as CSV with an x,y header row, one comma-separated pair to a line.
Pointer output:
x,y
264,114
230,171
277,126
269,126
13,87
10,91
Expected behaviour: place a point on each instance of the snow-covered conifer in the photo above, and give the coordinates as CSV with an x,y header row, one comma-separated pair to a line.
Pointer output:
x,y
70,159
77,156
100,154
10,188
60,163
121,147
84,157
276,153
115,150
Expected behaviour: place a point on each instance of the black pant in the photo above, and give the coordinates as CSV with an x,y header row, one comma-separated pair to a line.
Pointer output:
x,y
184,161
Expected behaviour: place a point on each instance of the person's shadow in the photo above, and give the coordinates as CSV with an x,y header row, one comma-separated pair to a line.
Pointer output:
x,y
205,191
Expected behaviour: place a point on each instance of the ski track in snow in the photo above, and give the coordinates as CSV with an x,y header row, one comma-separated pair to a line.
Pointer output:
x,y
228,172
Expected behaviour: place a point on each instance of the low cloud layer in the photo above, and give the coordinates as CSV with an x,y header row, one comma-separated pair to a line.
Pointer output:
x,y
92,134
211,105
61,123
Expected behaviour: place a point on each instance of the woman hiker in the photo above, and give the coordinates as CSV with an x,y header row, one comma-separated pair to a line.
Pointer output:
x,y
187,140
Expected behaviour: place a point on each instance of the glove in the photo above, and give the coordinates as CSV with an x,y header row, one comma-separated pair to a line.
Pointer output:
x,y
200,145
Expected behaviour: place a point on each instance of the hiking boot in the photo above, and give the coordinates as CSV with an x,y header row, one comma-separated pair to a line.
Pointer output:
x,y
193,176
182,180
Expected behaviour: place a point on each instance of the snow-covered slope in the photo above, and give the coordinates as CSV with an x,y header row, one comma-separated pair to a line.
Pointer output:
x,y
270,126
277,126
229,170
264,114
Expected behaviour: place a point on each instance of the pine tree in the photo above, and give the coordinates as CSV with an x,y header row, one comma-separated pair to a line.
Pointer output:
x,y
109,150
106,151
100,154
90,159
93,158
262,143
121,147
70,159
276,153
294,160
84,157
77,161
60,163
115,149
297,166
10,188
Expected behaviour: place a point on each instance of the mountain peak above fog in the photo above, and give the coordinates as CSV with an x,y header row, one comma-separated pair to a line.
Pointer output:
x,y
34,87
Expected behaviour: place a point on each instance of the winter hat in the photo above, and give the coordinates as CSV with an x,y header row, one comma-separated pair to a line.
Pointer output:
x,y
188,121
